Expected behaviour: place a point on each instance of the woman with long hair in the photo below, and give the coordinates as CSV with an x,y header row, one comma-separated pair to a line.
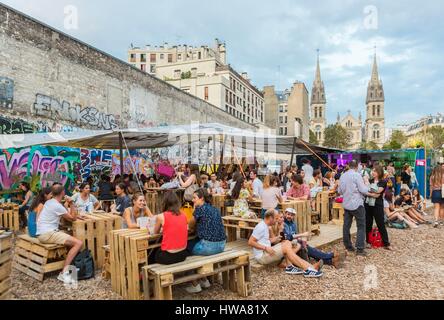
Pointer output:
x,y
436,183
375,208
271,195
28,198
43,196
191,183
139,209
123,201
173,222
241,195
395,215
84,200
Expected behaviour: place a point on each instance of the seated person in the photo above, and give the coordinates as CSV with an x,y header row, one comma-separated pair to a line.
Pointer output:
x,y
204,181
48,227
173,222
211,238
271,195
214,186
404,201
139,209
418,201
123,201
241,196
290,232
151,183
396,215
298,190
84,200
265,253
29,196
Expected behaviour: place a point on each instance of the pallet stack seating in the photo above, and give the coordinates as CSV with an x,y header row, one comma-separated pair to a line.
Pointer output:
x,y
94,233
236,225
337,213
234,266
9,216
5,264
37,259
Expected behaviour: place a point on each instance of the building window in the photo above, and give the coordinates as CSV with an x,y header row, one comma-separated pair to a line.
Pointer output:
x,y
206,93
285,119
316,112
132,57
143,67
162,56
281,119
143,57
152,57
179,56
281,131
170,57
177,74
152,68
281,108
373,112
285,131
379,110
320,112
199,55
226,95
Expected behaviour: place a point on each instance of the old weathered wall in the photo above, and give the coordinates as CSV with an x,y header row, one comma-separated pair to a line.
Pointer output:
x,y
52,82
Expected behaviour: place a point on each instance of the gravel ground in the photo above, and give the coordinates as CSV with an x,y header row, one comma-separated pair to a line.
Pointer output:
x,y
414,270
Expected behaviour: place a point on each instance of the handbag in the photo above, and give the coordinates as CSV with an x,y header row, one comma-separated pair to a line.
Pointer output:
x,y
188,195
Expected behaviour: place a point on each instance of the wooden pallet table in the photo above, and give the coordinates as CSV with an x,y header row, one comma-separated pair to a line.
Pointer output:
x,y
234,225
322,206
9,216
234,266
94,233
129,252
152,202
337,213
218,201
5,264
37,259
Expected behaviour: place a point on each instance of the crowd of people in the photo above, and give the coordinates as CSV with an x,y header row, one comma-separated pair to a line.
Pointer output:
x,y
368,194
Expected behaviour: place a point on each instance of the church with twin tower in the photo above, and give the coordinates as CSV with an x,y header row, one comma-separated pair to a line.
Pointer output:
x,y
373,128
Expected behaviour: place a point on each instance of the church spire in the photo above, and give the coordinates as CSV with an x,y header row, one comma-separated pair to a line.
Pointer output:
x,y
317,91
375,90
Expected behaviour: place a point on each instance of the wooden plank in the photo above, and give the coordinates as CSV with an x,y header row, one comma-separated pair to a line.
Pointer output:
x,y
30,255
240,279
5,270
36,275
5,285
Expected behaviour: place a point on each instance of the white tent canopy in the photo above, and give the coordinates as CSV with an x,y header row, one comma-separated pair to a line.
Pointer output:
x,y
165,136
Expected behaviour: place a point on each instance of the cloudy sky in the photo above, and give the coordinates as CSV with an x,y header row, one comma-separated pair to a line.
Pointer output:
x,y
276,41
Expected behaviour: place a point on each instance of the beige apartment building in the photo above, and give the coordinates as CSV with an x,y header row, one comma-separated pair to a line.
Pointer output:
x,y
288,111
203,72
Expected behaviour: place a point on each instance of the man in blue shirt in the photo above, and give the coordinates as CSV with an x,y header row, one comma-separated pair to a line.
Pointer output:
x,y
290,231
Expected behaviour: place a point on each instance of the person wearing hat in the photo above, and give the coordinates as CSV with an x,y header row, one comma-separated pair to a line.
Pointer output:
x,y
333,258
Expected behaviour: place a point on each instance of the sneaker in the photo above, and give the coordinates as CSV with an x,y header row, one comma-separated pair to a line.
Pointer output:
x,y
441,223
293,270
193,289
312,274
350,249
361,253
205,284
65,277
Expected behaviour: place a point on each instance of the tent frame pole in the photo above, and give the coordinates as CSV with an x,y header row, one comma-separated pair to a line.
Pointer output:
x,y
121,153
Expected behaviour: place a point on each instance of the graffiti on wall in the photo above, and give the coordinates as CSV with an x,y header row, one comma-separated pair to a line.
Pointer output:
x,y
41,166
6,92
90,116
95,162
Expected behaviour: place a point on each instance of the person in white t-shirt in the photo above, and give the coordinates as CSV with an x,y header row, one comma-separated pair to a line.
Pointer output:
x,y
48,228
265,253
308,170
257,184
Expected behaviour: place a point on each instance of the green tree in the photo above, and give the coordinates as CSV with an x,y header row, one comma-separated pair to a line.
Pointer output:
x,y
397,141
436,134
313,139
336,137
371,145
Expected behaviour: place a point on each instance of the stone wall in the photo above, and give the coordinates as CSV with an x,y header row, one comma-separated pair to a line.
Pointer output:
x,y
52,82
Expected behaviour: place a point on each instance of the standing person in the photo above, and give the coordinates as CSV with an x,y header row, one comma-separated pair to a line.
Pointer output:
x,y
139,209
413,180
308,170
28,198
436,182
84,200
190,183
406,178
105,191
123,201
257,184
271,194
375,209
48,227
353,190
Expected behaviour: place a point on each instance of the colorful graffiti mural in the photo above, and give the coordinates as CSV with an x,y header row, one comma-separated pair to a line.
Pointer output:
x,y
41,166
95,162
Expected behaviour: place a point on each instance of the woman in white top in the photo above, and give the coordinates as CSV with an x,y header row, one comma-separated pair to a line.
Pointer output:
x,y
271,194
84,200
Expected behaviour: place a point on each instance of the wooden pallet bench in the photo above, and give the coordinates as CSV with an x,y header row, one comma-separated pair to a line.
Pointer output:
x,y
337,213
129,252
234,225
9,216
218,201
234,266
94,233
322,207
5,264
37,259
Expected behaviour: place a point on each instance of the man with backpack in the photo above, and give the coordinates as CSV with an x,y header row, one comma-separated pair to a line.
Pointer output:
x,y
48,228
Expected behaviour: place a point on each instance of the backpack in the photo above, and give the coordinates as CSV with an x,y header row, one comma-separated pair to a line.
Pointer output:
x,y
375,239
84,263
396,225
32,224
